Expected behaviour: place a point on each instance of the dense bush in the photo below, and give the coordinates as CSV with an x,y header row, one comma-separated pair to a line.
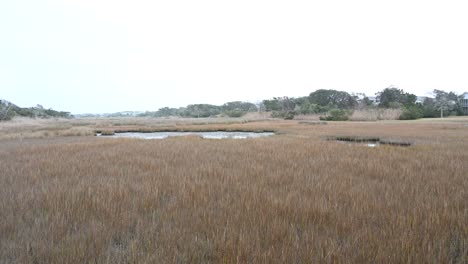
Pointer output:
x,y
336,115
234,113
412,112
288,115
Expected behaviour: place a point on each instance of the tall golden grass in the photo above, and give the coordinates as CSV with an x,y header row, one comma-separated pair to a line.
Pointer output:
x,y
291,198
375,114
21,128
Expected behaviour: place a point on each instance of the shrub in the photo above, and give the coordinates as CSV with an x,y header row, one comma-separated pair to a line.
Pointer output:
x,y
336,115
411,112
235,113
287,115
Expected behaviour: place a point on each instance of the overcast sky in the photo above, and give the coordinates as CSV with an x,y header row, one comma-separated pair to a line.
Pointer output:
x,y
111,55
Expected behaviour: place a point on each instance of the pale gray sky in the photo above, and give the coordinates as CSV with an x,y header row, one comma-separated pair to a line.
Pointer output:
x,y
113,55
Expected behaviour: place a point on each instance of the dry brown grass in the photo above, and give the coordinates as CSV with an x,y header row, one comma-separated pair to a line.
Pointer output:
x,y
24,128
21,128
294,197
375,114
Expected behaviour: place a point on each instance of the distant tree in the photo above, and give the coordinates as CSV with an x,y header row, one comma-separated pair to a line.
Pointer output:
x,y
301,100
202,110
366,101
166,111
272,105
453,96
287,103
333,98
281,107
239,106
260,106
409,99
446,103
392,97
363,102
182,111
302,105
459,105
52,113
429,108
280,104
6,112
441,101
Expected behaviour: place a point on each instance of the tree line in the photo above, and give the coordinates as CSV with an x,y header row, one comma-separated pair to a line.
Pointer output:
x,y
230,109
9,110
339,105
330,104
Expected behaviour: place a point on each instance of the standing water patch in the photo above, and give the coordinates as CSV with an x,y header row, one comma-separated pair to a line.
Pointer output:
x,y
207,135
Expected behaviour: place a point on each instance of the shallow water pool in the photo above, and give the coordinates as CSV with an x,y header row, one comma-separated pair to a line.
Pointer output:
x,y
208,135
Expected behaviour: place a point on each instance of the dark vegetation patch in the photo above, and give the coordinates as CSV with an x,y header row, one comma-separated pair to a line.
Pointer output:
x,y
313,123
107,132
367,139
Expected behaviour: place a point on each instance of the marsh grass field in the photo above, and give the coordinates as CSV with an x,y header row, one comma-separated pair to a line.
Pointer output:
x,y
67,196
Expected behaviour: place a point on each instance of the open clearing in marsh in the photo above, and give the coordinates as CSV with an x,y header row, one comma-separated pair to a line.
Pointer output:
x,y
294,197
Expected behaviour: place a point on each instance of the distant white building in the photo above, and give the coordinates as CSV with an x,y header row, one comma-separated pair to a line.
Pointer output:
x,y
374,99
464,103
361,96
421,99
